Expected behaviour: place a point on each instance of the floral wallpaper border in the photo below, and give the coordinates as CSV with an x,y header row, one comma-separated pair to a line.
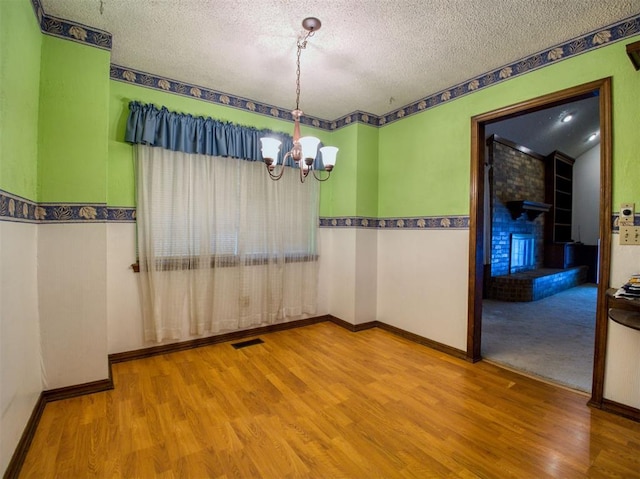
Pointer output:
x,y
71,212
130,75
615,226
595,39
121,214
423,222
18,209
416,223
77,32
84,34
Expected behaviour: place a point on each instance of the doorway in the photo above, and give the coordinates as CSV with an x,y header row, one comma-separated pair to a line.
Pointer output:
x,y
601,88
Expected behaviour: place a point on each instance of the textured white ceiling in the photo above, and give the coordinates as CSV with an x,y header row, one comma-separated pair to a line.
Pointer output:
x,y
369,55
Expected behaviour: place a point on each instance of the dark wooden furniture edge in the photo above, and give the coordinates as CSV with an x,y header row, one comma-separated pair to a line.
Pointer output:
x,y
566,158
633,51
621,303
626,318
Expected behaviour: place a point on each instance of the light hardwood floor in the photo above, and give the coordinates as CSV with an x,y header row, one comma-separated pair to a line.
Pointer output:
x,y
323,402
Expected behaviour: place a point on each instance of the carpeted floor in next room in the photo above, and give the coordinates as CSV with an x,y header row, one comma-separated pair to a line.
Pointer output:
x,y
552,338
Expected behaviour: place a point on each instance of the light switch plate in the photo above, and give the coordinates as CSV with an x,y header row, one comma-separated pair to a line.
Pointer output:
x,y
626,214
630,235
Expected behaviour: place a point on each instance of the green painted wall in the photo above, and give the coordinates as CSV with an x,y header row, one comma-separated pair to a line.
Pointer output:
x,y
353,187
338,195
416,166
425,159
73,125
367,187
121,187
20,43
626,131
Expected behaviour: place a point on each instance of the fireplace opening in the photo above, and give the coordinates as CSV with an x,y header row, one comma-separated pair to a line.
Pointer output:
x,y
522,257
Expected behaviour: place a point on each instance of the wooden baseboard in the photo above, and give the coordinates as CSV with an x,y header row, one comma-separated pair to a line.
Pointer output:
x,y
78,390
237,335
20,453
444,348
616,408
352,327
400,332
50,395
221,338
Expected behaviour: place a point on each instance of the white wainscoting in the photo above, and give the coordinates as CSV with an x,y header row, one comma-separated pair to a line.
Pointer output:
x,y
622,368
366,286
414,280
339,271
124,316
348,280
422,283
20,380
72,284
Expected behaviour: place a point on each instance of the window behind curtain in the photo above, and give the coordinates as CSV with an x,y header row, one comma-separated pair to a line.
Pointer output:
x,y
221,245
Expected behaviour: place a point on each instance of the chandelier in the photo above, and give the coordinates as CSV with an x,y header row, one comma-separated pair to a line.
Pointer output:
x,y
305,148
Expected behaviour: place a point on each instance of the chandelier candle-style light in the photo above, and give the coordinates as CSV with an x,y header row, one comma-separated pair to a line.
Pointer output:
x,y
304,149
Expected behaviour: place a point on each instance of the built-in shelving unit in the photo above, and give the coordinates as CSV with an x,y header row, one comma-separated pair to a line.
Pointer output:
x,y
559,193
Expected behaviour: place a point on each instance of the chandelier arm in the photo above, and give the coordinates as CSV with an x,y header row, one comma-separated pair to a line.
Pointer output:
x,y
303,174
282,166
276,176
319,178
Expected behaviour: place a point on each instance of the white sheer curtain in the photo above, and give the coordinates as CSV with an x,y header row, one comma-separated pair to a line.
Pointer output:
x,y
221,246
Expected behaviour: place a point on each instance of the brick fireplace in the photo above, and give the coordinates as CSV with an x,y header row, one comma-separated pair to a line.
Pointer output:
x,y
522,252
514,176
517,273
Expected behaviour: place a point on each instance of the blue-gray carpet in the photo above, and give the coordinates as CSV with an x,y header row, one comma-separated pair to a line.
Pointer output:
x,y
552,338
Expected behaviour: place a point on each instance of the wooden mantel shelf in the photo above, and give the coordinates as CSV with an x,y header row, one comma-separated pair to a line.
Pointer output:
x,y
531,208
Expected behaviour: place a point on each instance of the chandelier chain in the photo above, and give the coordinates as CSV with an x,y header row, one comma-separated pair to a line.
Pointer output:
x,y
304,151
302,43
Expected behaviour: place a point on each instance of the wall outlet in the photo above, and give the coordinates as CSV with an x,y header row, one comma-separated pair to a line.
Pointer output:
x,y
630,235
626,214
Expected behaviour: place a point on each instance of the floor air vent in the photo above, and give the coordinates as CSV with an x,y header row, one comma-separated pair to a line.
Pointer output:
x,y
244,344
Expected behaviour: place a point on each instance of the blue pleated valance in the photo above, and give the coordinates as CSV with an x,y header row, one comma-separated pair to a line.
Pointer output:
x,y
160,127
